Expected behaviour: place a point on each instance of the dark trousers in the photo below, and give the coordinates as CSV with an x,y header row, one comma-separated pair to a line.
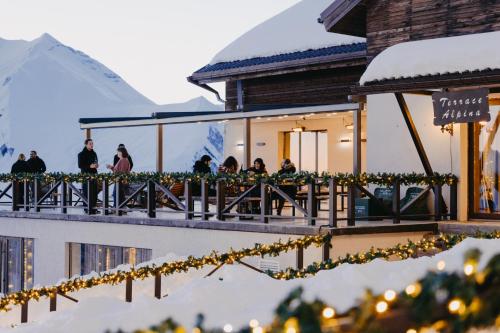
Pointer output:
x,y
92,196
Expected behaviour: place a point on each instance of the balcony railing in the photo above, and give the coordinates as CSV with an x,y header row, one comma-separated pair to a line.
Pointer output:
x,y
310,198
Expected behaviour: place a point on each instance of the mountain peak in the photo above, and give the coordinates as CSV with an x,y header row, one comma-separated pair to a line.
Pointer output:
x,y
45,39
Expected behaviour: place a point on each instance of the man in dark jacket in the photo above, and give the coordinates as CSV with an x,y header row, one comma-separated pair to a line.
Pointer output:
x,y
35,163
116,158
21,166
88,163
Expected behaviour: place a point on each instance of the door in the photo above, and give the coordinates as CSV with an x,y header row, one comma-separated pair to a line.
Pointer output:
x,y
309,150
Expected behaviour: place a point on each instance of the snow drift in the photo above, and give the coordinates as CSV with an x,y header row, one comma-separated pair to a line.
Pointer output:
x,y
234,294
45,87
295,29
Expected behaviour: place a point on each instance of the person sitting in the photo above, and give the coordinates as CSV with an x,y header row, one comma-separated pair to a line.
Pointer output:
x,y
20,166
287,168
116,158
230,166
258,168
203,165
35,163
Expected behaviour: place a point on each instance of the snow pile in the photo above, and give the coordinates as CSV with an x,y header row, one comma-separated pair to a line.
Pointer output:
x,y
295,29
236,294
45,87
436,56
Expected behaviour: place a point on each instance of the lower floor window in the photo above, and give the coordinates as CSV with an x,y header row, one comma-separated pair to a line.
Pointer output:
x,y
87,258
16,264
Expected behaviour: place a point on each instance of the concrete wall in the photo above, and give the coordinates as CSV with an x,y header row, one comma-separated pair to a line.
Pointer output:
x,y
268,132
51,239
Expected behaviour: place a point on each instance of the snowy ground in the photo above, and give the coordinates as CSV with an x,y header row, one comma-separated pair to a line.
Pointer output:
x,y
234,294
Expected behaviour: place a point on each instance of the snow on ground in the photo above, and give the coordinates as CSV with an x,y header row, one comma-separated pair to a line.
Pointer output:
x,y
295,29
436,56
234,294
46,86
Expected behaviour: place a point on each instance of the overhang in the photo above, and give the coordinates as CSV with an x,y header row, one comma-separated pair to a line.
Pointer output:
x,y
198,117
345,17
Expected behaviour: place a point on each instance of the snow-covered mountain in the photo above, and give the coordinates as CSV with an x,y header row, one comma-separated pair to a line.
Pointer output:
x,y
45,87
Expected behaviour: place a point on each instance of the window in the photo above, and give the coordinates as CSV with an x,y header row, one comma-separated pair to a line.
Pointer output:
x,y
309,150
16,264
87,258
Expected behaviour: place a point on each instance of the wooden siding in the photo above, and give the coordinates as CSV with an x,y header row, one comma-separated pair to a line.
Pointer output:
x,y
329,86
390,22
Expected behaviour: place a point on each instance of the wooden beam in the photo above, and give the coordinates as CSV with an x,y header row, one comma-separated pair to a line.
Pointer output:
x,y
159,148
88,133
247,142
356,151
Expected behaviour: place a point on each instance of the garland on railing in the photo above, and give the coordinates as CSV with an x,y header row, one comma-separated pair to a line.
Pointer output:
x,y
381,179
165,269
402,251
439,302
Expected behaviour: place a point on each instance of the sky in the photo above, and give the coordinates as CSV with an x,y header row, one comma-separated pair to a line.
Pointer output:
x,y
152,44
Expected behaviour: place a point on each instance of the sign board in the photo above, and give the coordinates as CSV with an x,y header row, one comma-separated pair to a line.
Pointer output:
x,y
465,106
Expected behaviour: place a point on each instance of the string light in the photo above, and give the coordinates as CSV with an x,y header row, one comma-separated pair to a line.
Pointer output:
x,y
456,306
411,330
253,323
413,289
470,268
441,265
390,295
257,329
381,306
328,313
228,328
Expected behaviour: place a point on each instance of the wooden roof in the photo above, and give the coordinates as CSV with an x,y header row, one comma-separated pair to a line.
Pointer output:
x,y
345,17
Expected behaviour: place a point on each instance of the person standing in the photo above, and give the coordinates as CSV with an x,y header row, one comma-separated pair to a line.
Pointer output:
x,y
35,163
88,163
116,158
20,166
287,168
121,166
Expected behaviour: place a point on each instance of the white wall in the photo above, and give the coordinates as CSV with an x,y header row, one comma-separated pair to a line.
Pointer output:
x,y
390,147
340,154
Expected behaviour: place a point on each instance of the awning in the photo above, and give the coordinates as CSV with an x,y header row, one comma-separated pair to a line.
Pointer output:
x,y
466,54
195,117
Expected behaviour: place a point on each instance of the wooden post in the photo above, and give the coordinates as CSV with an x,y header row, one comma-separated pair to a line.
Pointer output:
x,y
437,202
247,142
24,312
70,196
351,205
151,199
90,207
15,195
117,197
188,198
53,302
453,201
158,285
204,200
356,166
326,250
396,202
264,203
332,203
64,197
88,133
300,257
36,194
26,195
128,289
159,148
221,199
312,206
105,197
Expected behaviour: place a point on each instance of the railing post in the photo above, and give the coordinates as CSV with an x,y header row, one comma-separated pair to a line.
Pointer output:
x,y
64,193
188,197
221,199
204,200
264,203
53,302
90,208
151,199
26,195
300,257
396,202
128,289
453,201
105,197
312,206
351,205
70,196
15,195
36,194
437,201
158,285
332,203
24,312
326,250
118,188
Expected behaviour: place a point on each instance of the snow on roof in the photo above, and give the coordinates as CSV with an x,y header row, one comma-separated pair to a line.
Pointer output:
x,y
295,29
458,54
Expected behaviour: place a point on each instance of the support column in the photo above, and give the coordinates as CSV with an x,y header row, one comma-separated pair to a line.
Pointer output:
x,y
356,152
88,133
247,143
463,177
159,148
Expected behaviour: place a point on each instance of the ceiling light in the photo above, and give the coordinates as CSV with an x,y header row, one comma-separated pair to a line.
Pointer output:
x,y
299,129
